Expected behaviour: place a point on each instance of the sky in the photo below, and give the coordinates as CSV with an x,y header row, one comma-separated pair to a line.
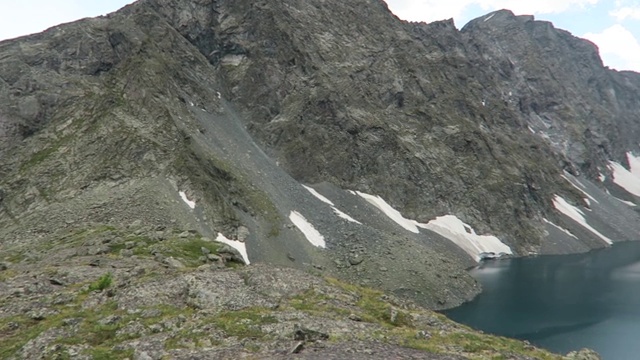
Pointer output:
x,y
613,25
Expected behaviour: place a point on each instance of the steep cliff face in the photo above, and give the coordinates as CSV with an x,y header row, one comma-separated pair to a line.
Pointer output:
x,y
209,116
430,118
558,84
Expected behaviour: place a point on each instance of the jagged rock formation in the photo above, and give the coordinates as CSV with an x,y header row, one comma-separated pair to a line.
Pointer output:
x,y
210,115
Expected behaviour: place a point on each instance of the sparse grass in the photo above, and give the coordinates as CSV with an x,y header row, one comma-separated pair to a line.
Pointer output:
x,y
101,284
374,308
42,155
188,251
27,329
245,323
222,175
15,256
314,302
110,354
480,346
7,274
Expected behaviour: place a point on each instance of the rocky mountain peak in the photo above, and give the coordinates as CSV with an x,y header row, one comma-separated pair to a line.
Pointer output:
x,y
498,19
322,135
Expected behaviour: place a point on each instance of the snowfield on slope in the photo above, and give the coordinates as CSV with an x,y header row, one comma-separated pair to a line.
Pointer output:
x,y
191,204
578,185
449,226
478,246
393,214
627,179
560,228
238,245
310,232
577,215
335,209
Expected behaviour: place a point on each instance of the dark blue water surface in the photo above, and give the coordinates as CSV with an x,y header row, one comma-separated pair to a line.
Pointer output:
x,y
563,303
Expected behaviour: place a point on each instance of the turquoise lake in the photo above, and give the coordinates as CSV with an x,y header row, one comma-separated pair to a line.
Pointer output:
x,y
563,303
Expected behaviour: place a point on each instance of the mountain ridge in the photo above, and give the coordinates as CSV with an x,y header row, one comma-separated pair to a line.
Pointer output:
x,y
334,139
508,126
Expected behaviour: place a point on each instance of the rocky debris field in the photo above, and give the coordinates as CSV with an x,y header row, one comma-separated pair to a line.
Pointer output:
x,y
159,293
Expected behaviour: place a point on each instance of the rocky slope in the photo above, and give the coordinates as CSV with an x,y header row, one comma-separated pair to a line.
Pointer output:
x,y
423,148
194,300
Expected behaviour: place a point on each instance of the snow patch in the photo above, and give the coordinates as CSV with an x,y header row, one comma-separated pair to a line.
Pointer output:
x,y
560,228
578,216
345,216
392,213
191,204
634,164
625,201
531,129
478,246
327,201
601,177
318,195
489,17
578,186
313,235
630,181
238,245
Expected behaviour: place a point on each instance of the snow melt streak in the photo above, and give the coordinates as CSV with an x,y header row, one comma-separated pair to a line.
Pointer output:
x,y
578,216
307,229
238,245
191,204
579,186
318,195
327,201
392,213
560,228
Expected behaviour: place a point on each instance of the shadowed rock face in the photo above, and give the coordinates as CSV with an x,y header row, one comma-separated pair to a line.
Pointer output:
x,y
235,103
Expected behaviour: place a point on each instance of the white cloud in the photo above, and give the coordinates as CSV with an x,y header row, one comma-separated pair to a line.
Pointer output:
x,y
626,12
619,48
431,10
535,7
428,10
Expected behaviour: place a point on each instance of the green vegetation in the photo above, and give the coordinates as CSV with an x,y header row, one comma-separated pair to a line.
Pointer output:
x,y
7,274
44,154
476,345
373,307
101,328
222,178
246,323
102,283
105,326
188,251
398,328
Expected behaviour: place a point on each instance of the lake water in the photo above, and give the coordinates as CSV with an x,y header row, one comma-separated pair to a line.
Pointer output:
x,y
563,303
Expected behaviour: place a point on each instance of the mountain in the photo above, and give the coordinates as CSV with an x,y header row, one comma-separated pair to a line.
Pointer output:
x,y
326,136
